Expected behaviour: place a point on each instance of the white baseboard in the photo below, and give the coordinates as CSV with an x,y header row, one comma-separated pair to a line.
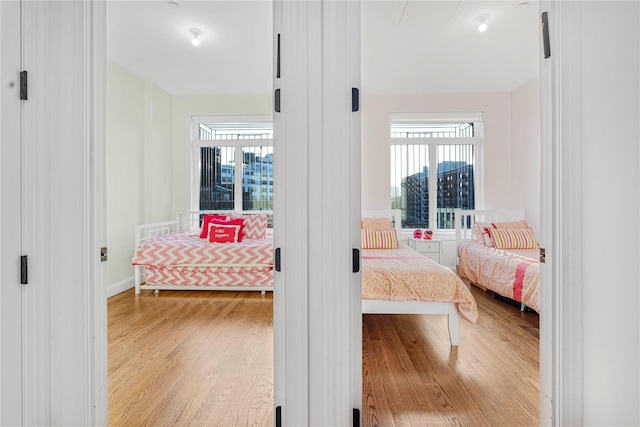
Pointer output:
x,y
121,286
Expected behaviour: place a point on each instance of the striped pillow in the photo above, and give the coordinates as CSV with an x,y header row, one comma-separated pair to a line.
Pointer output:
x,y
379,239
513,238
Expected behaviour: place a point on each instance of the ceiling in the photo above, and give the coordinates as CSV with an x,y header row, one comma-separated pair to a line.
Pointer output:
x,y
408,46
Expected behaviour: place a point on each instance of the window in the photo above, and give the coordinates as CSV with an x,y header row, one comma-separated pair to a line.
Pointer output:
x,y
434,167
232,160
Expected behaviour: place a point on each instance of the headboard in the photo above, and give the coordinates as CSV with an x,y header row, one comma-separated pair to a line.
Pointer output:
x,y
466,218
190,221
395,215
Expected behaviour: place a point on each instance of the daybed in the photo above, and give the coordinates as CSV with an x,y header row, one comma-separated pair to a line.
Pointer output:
x,y
497,251
179,255
398,280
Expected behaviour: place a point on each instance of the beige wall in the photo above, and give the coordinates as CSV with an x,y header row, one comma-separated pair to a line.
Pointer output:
x,y
138,166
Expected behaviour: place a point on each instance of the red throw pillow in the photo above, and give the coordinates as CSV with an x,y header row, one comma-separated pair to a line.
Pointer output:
x,y
206,219
224,233
234,221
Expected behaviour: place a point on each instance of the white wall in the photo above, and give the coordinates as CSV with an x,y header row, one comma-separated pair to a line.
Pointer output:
x,y
610,108
525,151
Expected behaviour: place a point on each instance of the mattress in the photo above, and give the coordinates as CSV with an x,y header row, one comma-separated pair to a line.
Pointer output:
x,y
511,273
404,275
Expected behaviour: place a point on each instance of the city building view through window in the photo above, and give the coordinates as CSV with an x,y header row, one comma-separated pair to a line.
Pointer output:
x,y
433,170
235,166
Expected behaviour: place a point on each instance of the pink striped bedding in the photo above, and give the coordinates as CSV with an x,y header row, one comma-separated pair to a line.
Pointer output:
x,y
404,275
513,274
188,249
186,259
207,276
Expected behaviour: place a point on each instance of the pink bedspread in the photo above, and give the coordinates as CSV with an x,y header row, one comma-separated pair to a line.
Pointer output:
x,y
404,275
189,250
507,273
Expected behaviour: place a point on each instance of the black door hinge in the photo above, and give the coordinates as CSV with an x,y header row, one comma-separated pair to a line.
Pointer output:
x,y
355,99
24,278
543,255
356,417
276,260
356,260
278,58
277,100
545,35
278,416
23,85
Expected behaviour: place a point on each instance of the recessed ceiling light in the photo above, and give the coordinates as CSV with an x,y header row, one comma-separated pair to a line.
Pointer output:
x,y
523,5
196,36
173,4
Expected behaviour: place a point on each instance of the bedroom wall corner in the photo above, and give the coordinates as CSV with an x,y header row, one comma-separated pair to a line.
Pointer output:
x,y
525,154
124,168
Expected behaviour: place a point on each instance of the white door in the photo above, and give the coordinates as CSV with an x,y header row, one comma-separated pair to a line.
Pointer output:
x,y
317,297
10,217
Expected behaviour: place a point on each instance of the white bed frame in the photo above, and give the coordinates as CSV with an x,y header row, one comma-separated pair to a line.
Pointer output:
x,y
187,221
411,307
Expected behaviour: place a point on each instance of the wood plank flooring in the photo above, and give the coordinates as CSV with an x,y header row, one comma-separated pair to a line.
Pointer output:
x,y
205,358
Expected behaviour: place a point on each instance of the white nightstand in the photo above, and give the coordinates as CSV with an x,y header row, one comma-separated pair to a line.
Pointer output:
x,y
430,248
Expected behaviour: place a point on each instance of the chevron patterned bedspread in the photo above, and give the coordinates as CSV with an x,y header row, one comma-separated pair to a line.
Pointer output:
x,y
189,250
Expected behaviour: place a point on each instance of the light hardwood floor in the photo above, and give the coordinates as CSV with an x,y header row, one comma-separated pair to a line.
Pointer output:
x,y
205,358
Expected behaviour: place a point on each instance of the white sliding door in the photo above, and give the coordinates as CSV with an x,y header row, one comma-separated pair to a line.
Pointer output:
x,y
317,298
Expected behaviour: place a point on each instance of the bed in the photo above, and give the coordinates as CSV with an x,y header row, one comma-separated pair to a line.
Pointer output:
x,y
498,252
174,256
402,281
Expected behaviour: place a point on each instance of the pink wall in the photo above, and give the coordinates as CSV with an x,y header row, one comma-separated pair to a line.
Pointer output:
x,y
511,144
496,107
525,151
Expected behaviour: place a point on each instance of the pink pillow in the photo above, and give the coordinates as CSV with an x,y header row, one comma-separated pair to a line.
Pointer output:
x,y
224,233
234,221
376,223
206,219
511,224
255,226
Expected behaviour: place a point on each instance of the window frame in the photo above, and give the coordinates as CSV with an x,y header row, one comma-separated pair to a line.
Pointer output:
x,y
195,144
432,143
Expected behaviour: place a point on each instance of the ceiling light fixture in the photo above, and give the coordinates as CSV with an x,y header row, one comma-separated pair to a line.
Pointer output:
x,y
483,22
196,36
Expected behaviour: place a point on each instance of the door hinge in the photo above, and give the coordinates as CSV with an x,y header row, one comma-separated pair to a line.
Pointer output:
x,y
277,101
356,260
355,99
543,255
278,416
24,278
23,85
103,254
356,417
278,58
545,35
276,260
